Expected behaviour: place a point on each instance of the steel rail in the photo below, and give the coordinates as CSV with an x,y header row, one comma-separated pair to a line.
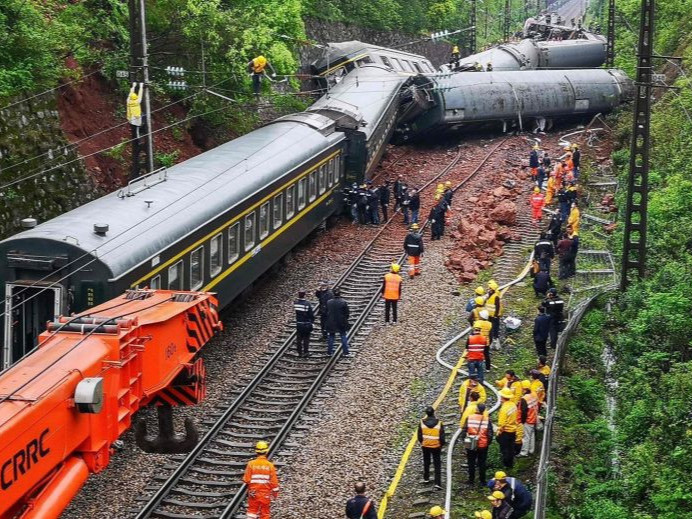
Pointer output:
x,y
164,490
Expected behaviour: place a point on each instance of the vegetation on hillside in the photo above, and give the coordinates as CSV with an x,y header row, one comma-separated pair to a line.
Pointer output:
x,y
649,329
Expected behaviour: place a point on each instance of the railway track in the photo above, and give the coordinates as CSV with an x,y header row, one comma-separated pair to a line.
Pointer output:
x,y
208,481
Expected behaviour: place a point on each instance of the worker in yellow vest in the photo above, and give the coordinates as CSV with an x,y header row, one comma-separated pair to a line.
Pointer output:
x,y
256,67
507,427
392,292
467,388
494,307
455,55
431,435
133,112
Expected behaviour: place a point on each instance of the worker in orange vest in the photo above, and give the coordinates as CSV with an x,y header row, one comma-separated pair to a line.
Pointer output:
x,y
476,345
431,436
537,203
478,426
529,415
261,479
392,292
256,67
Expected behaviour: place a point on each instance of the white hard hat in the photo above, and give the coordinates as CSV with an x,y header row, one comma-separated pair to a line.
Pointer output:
x,y
483,314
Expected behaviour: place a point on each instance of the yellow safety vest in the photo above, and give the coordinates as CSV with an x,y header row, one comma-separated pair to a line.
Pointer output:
x,y
259,64
431,435
491,305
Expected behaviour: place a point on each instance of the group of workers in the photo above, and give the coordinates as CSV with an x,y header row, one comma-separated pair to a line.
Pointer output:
x,y
564,224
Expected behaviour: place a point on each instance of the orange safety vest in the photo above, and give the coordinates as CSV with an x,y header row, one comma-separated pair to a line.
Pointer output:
x,y
261,477
392,286
536,200
431,435
259,64
476,346
477,425
532,407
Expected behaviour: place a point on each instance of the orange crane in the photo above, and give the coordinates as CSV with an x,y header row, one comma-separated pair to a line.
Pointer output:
x,y
62,407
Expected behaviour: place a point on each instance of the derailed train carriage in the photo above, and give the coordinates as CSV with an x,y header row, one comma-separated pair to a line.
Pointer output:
x,y
218,221
215,222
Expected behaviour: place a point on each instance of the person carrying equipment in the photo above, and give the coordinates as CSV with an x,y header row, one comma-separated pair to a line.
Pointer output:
x,y
391,291
431,436
304,323
360,506
414,247
536,201
256,67
477,434
263,486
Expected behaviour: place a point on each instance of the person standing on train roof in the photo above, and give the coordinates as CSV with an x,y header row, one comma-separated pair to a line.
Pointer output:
x,y
337,323
384,198
261,480
304,323
391,291
414,205
414,247
256,67
455,55
324,294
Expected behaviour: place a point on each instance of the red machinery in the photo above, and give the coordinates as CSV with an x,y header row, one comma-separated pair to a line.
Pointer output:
x,y
62,407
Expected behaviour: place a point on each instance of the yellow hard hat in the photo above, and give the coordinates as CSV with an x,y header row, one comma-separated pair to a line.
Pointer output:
x,y
574,145
437,197
496,495
484,514
448,183
436,511
262,447
480,290
493,285
526,384
536,189
414,226
394,267
440,187
507,393
500,475
479,300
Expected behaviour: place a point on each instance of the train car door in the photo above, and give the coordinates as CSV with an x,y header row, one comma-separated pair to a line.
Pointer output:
x,y
28,306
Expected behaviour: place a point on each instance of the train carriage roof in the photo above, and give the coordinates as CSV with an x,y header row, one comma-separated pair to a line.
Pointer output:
x,y
195,192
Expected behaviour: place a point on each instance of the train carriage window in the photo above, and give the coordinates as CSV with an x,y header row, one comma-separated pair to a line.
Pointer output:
x,y
330,172
249,236
386,61
197,268
312,186
155,283
398,65
234,235
363,61
264,220
175,276
321,178
290,201
418,68
301,193
215,252
278,211
408,66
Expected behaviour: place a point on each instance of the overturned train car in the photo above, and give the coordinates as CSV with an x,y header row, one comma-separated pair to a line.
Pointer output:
x,y
522,100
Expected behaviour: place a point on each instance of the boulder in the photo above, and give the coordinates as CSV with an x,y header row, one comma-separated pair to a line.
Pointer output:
x,y
504,213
